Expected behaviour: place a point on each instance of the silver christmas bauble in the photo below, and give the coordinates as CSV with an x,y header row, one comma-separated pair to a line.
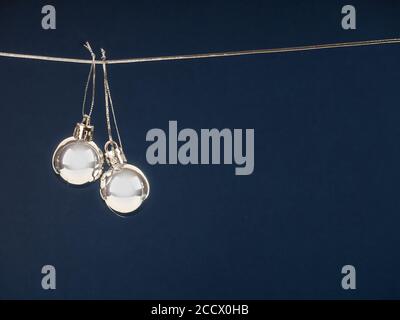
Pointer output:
x,y
124,187
77,159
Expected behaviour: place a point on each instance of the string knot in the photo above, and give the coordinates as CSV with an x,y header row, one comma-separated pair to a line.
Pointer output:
x,y
89,48
103,54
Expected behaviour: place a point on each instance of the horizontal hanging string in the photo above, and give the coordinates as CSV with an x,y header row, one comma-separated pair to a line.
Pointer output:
x,y
207,55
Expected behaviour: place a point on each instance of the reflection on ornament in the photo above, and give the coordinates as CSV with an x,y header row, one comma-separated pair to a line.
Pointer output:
x,y
123,187
77,159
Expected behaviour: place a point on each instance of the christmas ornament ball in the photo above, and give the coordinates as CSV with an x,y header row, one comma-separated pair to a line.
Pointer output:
x,y
78,161
124,187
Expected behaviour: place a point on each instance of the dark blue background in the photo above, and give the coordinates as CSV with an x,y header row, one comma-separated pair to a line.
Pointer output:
x,y
325,190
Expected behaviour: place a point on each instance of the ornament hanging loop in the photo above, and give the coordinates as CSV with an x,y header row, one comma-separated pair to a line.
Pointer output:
x,y
110,145
109,104
92,75
114,154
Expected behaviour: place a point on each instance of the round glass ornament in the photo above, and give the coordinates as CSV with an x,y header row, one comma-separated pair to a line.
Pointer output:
x,y
123,187
77,159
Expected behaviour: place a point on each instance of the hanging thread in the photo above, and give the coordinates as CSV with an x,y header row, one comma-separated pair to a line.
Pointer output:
x,y
92,74
109,103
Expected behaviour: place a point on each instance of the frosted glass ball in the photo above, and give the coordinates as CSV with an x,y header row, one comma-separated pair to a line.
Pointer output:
x,y
124,187
78,161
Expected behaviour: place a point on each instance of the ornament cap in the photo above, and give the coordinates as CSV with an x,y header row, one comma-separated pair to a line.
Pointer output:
x,y
114,154
83,130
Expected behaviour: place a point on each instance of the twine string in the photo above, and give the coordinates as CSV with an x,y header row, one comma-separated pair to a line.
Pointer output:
x,y
207,55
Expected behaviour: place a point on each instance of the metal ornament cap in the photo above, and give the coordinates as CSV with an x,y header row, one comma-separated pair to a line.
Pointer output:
x,y
77,159
124,187
114,154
